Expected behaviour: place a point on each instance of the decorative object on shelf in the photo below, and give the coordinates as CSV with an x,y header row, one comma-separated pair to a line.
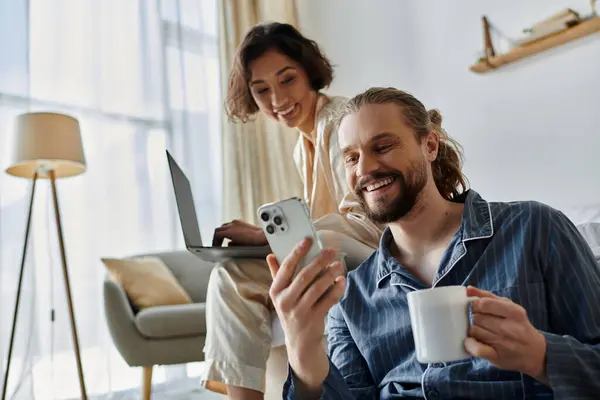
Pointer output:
x,y
556,30
46,146
556,23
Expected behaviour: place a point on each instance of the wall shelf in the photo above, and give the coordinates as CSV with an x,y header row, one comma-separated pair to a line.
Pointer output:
x,y
584,28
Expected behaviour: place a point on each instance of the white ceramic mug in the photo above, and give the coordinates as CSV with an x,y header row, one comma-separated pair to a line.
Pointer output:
x,y
440,322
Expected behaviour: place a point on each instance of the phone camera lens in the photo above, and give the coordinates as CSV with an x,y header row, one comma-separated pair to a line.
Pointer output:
x,y
264,216
277,220
270,229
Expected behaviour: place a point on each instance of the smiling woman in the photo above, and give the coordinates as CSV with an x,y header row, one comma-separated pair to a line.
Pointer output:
x,y
278,71
284,95
281,74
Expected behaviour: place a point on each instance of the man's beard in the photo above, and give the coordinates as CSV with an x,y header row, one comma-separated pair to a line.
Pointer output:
x,y
390,209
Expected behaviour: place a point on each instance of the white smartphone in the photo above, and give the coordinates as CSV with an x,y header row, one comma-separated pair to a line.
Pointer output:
x,y
286,223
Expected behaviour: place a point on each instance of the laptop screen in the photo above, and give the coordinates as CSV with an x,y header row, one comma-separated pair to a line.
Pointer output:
x,y
185,205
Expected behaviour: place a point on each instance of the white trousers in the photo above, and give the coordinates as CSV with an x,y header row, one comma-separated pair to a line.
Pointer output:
x,y
239,314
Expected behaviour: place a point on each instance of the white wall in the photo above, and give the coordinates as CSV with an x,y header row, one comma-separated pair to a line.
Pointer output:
x,y
529,131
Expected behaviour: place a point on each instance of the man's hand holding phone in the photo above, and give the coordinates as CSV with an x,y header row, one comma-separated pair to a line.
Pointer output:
x,y
302,304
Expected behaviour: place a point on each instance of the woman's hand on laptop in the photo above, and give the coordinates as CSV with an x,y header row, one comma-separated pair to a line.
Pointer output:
x,y
239,233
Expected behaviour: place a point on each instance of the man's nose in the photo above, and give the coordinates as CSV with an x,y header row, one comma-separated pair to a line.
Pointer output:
x,y
367,165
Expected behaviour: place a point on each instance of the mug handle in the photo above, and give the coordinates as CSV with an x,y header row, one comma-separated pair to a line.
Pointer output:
x,y
471,299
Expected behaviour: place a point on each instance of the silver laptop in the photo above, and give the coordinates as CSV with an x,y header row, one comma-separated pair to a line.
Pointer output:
x,y
191,229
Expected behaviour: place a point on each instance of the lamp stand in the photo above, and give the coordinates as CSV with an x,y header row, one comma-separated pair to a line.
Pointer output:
x,y
67,286
20,284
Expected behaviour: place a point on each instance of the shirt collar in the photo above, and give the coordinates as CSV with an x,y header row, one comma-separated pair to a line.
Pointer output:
x,y
322,101
476,223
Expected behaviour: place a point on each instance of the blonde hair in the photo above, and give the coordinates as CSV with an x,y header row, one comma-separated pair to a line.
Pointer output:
x,y
447,167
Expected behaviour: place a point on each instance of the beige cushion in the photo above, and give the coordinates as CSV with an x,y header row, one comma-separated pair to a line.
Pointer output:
x,y
147,281
172,321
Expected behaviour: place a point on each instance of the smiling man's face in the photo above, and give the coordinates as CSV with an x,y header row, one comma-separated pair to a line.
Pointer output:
x,y
386,165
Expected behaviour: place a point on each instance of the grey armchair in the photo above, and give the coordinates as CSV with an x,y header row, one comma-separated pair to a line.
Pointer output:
x,y
170,335
164,335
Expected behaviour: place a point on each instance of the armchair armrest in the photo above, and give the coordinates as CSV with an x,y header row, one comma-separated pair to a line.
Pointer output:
x,y
116,301
121,320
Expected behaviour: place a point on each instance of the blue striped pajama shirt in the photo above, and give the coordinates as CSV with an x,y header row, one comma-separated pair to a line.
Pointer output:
x,y
525,251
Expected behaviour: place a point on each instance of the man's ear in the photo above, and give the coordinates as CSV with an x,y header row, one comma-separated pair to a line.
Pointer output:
x,y
431,146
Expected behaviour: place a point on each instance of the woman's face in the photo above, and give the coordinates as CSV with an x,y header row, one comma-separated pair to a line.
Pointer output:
x,y
282,91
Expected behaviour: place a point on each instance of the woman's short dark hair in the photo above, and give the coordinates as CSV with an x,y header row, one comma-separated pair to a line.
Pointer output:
x,y
285,39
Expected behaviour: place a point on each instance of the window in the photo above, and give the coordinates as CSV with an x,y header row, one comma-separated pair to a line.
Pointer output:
x,y
140,75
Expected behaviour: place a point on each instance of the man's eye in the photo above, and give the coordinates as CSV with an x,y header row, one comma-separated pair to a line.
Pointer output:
x,y
288,80
383,149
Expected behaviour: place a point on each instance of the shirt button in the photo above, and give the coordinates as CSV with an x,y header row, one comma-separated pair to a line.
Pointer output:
x,y
433,393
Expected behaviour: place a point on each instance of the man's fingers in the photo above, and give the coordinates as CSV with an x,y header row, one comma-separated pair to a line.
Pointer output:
x,y
483,335
309,273
331,297
317,287
496,306
273,264
473,291
478,349
504,327
287,267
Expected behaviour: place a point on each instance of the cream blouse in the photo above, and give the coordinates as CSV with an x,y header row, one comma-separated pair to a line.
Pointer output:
x,y
332,204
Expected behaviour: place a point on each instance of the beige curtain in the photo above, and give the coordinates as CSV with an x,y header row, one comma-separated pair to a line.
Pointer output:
x,y
257,156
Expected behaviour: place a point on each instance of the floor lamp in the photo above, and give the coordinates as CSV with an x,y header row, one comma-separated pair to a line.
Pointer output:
x,y
46,146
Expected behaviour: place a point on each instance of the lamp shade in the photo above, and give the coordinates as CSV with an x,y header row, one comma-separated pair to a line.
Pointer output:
x,y
46,141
